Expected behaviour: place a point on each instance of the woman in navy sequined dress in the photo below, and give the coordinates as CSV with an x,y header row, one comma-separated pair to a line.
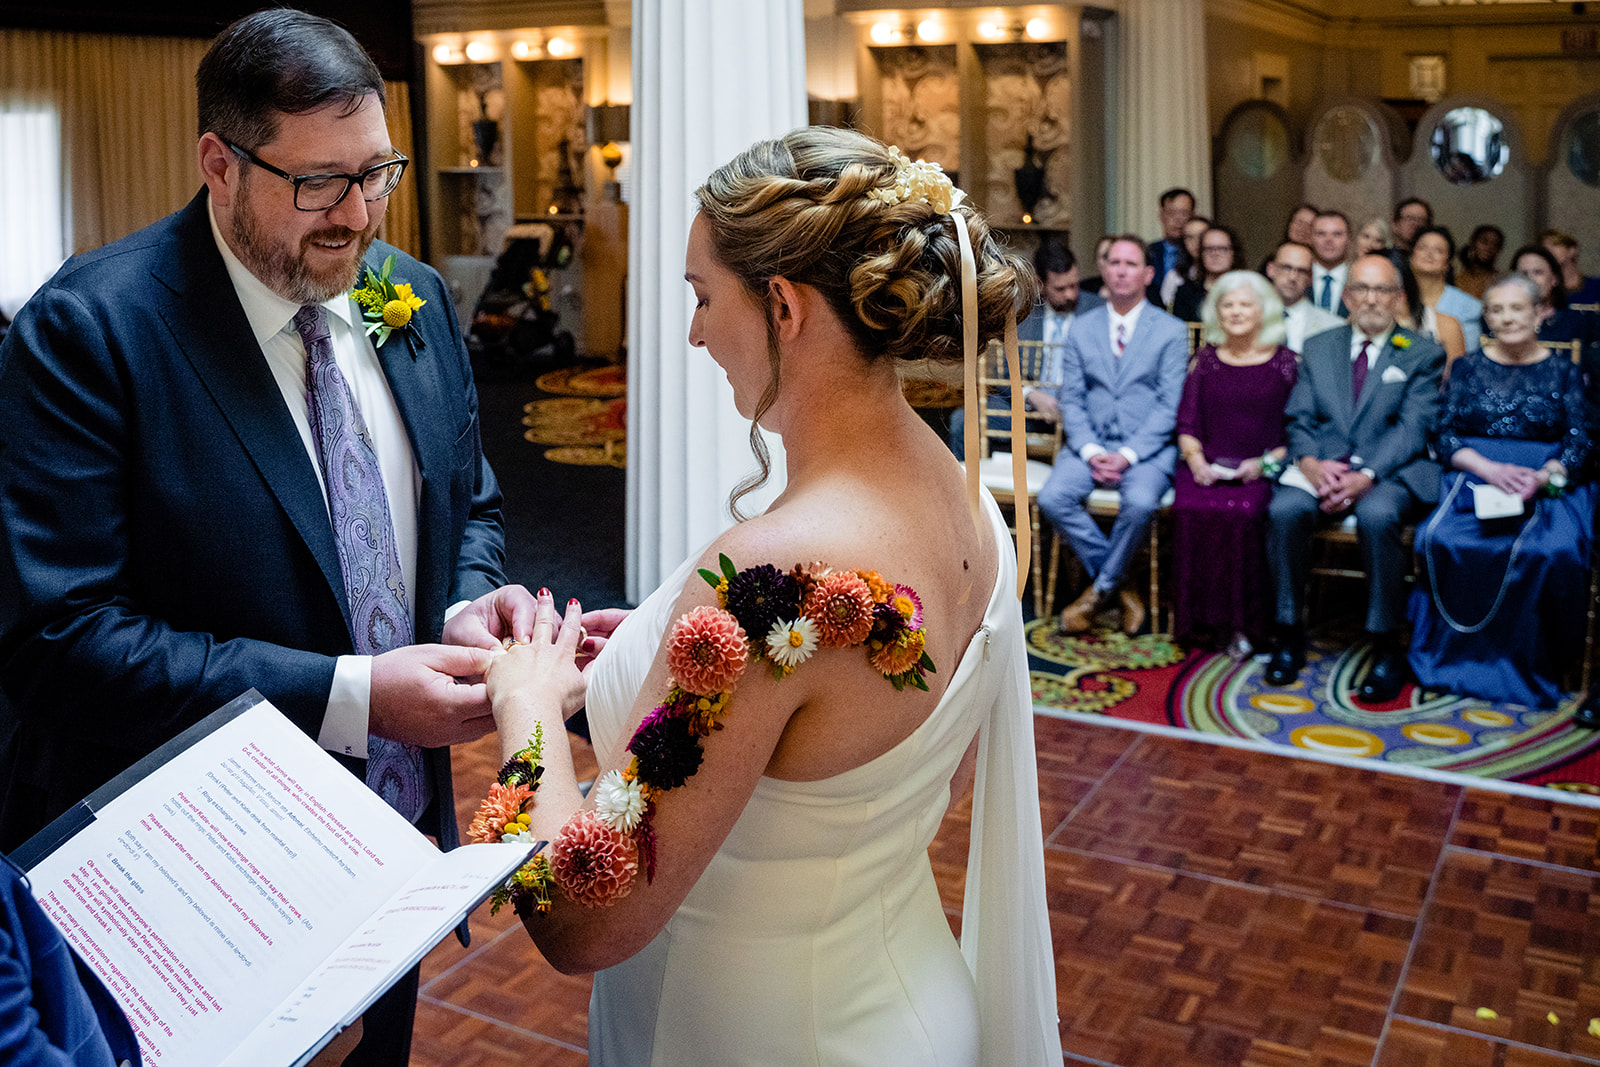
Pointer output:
x,y
1498,612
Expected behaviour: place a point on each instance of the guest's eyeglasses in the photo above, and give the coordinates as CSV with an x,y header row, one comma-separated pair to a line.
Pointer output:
x,y
1359,290
324,192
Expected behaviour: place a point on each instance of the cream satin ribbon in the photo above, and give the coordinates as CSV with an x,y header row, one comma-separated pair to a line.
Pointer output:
x,y
1019,440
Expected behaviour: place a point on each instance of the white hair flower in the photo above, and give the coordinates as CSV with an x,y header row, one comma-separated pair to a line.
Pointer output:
x,y
921,181
618,801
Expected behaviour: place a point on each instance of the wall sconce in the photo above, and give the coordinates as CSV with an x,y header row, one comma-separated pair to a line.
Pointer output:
x,y
445,54
525,49
560,47
885,33
608,128
930,30
482,50
997,29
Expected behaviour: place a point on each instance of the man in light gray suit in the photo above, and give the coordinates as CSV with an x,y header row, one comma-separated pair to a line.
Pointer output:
x,y
1360,417
1123,368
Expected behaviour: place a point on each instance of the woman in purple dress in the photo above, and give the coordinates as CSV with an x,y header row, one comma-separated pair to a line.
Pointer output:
x,y
1231,439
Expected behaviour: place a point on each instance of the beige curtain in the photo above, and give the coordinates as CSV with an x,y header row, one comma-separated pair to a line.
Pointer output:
x,y
128,123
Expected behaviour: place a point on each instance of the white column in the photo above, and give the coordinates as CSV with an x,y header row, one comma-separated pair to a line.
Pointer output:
x,y
710,77
1162,136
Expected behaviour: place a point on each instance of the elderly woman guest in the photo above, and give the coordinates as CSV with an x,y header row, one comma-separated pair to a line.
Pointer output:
x,y
1499,611
1232,442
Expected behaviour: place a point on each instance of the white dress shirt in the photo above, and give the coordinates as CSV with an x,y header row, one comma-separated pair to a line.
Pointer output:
x,y
1338,274
1304,320
1129,323
344,727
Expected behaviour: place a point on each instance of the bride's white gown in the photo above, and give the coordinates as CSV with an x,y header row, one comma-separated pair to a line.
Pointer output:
x,y
816,935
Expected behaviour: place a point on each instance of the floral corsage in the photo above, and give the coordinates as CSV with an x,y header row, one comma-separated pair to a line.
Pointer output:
x,y
1400,341
388,306
598,853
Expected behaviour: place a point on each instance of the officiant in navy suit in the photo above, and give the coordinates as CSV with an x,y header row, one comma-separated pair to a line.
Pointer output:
x,y
214,476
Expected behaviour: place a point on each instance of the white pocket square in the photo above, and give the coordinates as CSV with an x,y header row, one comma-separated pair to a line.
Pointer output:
x,y
1392,374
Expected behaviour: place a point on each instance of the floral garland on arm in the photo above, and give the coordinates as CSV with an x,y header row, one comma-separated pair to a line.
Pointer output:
x,y
597,854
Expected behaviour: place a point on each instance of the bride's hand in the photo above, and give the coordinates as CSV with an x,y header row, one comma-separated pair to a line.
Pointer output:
x,y
541,675
598,626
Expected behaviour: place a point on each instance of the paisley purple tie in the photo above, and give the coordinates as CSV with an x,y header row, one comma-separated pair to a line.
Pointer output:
x,y
379,616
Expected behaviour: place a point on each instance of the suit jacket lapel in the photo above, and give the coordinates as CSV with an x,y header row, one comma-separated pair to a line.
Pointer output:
x,y
416,390
1384,360
208,325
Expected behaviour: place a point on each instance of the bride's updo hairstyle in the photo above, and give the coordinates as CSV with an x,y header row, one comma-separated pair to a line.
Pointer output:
x,y
818,206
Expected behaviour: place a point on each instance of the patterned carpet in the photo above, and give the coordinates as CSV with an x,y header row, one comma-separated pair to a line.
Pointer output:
x,y
1151,679
585,421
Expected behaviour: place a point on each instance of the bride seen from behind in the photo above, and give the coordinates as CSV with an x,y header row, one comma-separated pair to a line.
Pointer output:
x,y
752,862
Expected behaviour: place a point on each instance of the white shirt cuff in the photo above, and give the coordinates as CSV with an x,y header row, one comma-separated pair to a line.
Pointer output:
x,y
1128,454
344,727
455,609
1088,452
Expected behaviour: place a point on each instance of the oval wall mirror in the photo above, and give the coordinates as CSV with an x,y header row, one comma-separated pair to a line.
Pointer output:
x,y
1346,141
1583,148
1469,146
1258,143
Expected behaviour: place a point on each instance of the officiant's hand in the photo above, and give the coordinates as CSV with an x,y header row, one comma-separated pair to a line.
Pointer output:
x,y
540,677
598,626
487,622
417,699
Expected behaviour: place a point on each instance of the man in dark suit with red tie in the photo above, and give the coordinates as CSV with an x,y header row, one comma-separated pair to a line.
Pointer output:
x,y
218,472
1359,421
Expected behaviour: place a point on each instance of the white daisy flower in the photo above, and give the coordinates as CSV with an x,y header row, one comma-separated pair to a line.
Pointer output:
x,y
791,643
619,802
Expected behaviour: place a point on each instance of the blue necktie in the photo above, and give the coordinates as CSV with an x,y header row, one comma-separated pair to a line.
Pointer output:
x,y
1325,301
379,616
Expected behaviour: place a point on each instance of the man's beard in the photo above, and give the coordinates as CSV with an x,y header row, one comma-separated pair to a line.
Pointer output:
x,y
284,269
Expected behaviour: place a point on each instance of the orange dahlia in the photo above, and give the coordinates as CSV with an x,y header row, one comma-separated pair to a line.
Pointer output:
x,y
707,651
593,864
502,805
841,606
899,656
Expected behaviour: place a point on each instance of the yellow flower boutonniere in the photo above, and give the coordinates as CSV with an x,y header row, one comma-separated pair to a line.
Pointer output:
x,y
1400,341
388,306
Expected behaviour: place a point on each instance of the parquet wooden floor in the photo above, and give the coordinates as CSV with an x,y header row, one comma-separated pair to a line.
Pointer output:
x,y
1210,906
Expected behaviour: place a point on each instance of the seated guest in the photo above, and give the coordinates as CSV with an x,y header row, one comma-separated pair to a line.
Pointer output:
x,y
54,1010
1431,253
1301,219
1360,418
1177,207
1046,324
1410,216
1290,271
1231,440
1446,329
1373,236
1124,365
1219,254
1330,243
1555,321
1499,611
1564,247
1091,291
1479,257
1188,260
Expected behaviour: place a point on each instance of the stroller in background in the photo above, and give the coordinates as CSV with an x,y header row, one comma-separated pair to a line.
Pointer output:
x,y
514,332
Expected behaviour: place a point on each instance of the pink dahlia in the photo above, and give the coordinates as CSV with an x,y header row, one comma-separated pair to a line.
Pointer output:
x,y
593,864
841,606
707,650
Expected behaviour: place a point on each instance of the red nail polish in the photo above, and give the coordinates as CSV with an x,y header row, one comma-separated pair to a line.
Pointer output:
x,y
544,593
571,602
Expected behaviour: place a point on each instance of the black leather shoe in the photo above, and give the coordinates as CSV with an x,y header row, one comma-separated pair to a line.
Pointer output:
x,y
1284,666
1385,679
1588,713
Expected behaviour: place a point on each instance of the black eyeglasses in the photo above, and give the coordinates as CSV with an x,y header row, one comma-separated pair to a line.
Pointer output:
x,y
323,192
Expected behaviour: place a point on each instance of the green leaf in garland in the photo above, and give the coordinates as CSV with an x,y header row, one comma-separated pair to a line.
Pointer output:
x,y
712,577
728,569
